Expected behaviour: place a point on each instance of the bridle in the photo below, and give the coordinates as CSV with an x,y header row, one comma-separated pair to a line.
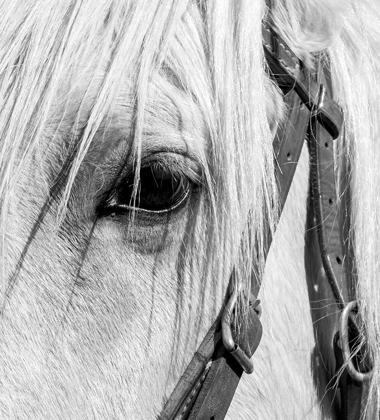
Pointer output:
x,y
207,387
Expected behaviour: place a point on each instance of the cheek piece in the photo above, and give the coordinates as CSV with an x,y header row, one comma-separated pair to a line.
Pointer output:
x,y
208,385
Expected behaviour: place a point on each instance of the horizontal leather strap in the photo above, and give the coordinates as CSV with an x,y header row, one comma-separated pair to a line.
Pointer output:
x,y
289,73
288,143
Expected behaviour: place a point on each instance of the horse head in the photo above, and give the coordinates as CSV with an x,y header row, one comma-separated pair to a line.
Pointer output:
x,y
137,177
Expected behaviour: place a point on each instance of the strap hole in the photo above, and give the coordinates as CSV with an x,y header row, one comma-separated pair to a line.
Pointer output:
x,y
338,260
212,418
330,201
326,145
288,157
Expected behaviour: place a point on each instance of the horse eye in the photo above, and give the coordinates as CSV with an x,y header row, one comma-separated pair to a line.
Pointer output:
x,y
159,190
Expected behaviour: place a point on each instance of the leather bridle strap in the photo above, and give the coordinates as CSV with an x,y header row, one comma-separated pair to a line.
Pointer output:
x,y
332,225
207,387
323,187
337,258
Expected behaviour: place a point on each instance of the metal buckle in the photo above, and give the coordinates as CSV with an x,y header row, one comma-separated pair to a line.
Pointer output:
x,y
344,344
228,341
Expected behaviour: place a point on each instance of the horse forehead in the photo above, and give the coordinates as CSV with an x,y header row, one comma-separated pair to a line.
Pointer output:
x,y
171,119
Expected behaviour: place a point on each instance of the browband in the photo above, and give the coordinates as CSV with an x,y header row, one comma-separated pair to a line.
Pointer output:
x,y
207,387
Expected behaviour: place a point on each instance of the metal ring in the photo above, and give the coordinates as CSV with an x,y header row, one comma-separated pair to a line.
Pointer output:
x,y
343,334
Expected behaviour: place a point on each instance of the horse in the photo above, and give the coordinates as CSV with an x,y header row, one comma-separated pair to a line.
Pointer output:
x,y
137,173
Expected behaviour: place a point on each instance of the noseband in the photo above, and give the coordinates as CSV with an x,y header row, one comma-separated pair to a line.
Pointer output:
x,y
208,385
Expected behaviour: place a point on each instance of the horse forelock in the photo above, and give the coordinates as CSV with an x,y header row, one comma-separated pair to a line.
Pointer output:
x,y
68,97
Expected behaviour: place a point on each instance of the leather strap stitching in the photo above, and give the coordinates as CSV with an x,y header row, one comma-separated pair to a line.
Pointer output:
x,y
195,390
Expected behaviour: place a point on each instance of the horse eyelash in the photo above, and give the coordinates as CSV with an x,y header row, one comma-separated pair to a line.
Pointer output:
x,y
177,168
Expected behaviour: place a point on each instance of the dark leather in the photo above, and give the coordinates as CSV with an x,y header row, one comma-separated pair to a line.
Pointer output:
x,y
350,391
182,398
334,249
288,143
221,382
328,221
326,210
205,392
220,385
289,73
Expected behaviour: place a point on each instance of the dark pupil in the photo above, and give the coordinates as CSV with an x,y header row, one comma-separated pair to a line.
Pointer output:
x,y
158,190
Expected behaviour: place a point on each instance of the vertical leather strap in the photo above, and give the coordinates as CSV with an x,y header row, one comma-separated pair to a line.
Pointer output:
x,y
326,208
288,143
325,198
208,385
333,244
350,392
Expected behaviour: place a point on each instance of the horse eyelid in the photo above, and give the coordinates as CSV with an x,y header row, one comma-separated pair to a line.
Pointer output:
x,y
115,204
177,205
